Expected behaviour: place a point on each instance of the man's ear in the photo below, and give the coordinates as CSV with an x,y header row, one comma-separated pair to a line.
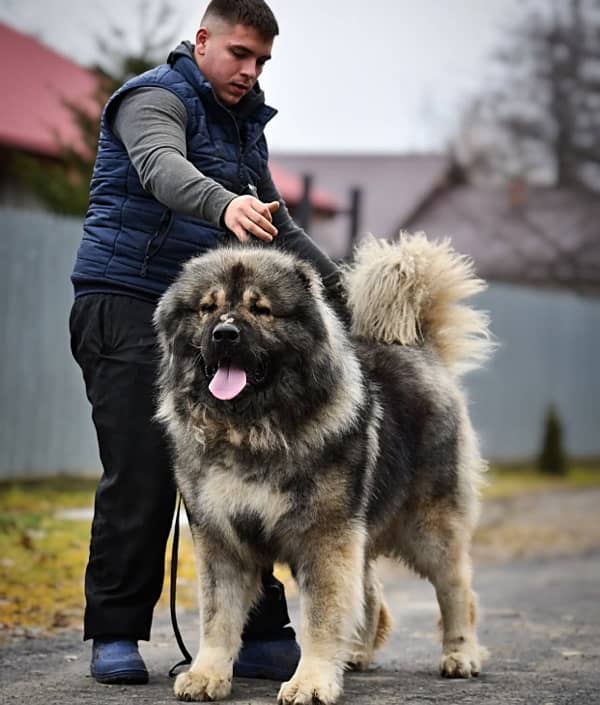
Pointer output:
x,y
201,37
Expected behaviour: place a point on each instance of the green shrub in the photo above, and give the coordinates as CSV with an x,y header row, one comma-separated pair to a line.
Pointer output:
x,y
552,459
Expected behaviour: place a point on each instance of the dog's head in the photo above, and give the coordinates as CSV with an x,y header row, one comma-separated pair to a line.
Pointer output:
x,y
242,332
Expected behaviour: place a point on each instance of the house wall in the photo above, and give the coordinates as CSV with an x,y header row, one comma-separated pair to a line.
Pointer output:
x,y
548,352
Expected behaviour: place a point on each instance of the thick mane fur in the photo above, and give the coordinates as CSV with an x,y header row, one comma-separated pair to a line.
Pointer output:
x,y
410,292
334,366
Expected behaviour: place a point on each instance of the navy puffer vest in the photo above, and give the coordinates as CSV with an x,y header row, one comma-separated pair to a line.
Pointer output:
x,y
132,244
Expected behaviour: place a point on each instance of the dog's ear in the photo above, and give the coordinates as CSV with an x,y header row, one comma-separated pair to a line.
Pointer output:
x,y
168,321
162,313
168,313
308,277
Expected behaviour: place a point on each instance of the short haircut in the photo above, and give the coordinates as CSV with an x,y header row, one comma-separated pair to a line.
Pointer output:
x,y
250,13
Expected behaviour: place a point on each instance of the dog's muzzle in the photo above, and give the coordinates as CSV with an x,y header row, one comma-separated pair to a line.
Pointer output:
x,y
226,334
229,364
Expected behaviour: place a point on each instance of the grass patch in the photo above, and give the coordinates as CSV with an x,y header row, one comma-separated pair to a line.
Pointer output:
x,y
43,556
41,565
46,495
511,480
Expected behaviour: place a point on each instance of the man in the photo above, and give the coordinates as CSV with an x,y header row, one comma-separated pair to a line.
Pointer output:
x,y
181,168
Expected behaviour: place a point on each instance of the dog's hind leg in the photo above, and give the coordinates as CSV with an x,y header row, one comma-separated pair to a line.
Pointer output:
x,y
330,578
461,654
443,557
377,622
226,591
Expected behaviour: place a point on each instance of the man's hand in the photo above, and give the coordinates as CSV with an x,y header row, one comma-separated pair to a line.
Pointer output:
x,y
246,215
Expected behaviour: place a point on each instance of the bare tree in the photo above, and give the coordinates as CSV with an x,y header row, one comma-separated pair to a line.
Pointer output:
x,y
542,122
63,184
125,53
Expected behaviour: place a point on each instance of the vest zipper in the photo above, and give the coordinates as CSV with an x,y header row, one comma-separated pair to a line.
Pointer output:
x,y
242,151
163,226
239,138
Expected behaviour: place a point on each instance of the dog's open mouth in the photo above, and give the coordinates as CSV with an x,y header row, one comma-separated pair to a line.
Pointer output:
x,y
229,378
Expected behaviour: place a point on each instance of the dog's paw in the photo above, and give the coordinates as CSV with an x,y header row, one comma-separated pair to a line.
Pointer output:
x,y
462,663
359,660
202,685
320,683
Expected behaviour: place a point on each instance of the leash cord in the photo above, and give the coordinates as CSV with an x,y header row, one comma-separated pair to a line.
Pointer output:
x,y
187,658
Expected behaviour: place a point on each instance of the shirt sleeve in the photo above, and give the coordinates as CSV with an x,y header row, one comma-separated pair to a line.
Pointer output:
x,y
151,123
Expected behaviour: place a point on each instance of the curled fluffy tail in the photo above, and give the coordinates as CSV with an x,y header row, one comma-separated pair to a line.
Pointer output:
x,y
409,292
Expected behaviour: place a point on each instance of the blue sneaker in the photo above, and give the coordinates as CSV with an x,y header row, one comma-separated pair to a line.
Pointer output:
x,y
274,660
117,661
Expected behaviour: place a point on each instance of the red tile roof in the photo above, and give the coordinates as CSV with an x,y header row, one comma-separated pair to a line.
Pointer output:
x,y
35,82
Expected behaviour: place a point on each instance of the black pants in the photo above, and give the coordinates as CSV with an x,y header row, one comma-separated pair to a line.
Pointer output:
x,y
113,341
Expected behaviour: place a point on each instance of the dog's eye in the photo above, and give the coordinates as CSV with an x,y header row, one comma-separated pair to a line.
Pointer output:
x,y
259,310
208,308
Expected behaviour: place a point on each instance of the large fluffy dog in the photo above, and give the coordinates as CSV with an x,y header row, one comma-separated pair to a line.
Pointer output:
x,y
298,442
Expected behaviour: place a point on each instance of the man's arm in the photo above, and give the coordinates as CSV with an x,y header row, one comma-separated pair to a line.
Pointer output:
x,y
151,123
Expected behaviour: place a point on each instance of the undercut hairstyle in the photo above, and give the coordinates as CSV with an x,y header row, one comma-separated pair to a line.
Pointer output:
x,y
250,13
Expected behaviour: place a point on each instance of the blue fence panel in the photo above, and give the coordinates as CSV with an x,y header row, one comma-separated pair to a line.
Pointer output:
x,y
547,354
45,423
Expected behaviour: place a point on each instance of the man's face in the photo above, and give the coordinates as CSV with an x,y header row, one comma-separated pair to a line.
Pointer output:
x,y
232,58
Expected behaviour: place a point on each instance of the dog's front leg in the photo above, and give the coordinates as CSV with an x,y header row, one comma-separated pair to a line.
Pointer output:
x,y
330,577
226,590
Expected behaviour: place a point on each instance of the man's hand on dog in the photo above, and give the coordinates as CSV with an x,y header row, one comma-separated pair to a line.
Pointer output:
x,y
246,216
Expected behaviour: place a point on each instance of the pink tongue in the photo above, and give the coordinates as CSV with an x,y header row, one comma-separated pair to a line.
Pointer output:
x,y
227,383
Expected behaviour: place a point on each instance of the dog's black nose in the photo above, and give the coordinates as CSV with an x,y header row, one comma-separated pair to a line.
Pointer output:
x,y
226,333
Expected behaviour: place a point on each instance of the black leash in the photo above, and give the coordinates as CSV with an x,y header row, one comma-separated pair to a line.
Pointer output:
x,y
187,658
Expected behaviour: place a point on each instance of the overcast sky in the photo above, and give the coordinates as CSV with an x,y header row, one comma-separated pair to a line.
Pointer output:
x,y
346,75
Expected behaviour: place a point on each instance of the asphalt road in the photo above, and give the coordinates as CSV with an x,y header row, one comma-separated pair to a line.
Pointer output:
x,y
540,620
